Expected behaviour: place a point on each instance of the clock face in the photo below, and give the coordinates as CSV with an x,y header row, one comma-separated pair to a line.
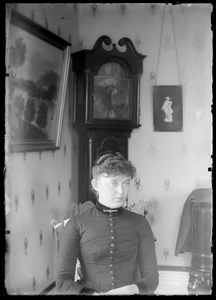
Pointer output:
x,y
112,97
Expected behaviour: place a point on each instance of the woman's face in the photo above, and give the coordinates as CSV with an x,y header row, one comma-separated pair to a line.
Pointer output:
x,y
112,190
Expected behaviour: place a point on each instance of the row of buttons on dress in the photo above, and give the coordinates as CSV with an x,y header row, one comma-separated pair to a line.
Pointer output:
x,y
112,245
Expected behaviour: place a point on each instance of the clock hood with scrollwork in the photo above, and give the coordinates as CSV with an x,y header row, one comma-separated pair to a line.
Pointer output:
x,y
107,79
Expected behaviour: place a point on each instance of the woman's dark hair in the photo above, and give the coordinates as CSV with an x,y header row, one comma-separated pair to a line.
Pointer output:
x,y
112,163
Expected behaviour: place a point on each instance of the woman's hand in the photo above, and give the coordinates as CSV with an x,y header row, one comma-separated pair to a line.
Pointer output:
x,y
131,289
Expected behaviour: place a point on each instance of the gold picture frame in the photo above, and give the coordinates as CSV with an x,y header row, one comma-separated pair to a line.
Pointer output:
x,y
37,66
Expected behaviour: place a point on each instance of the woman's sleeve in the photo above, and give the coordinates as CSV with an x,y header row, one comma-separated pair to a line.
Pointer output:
x,y
67,259
147,260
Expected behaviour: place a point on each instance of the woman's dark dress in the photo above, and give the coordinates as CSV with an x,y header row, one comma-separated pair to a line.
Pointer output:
x,y
109,246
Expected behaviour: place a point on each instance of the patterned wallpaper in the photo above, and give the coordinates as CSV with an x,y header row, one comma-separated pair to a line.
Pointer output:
x,y
41,186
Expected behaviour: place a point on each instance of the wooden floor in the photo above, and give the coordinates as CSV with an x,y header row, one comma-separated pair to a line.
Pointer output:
x,y
172,283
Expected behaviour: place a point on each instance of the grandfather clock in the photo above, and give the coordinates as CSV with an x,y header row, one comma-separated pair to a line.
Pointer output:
x,y
106,102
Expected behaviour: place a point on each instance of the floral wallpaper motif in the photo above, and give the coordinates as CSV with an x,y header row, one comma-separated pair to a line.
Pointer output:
x,y
47,192
40,154
122,8
137,43
137,183
65,149
26,246
34,283
167,42
16,202
94,9
153,8
32,15
47,272
41,237
198,41
59,188
24,156
33,197
197,183
167,183
152,150
198,113
166,253
183,151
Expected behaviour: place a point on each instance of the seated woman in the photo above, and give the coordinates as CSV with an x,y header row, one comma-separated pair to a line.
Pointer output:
x,y
111,242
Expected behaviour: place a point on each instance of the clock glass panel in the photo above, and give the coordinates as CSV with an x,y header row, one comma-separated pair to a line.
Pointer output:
x,y
112,98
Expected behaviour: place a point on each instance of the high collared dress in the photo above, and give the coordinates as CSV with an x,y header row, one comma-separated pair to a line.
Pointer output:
x,y
115,248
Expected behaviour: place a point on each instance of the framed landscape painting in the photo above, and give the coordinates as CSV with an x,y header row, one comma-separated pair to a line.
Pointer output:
x,y
37,65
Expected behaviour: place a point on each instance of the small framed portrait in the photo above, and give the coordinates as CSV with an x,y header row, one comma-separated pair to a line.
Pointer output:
x,y
167,108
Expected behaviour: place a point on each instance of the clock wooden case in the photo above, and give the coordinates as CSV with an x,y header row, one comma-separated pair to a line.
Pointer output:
x,y
106,101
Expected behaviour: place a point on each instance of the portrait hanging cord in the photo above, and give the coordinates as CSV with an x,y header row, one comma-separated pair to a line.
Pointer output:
x,y
167,99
